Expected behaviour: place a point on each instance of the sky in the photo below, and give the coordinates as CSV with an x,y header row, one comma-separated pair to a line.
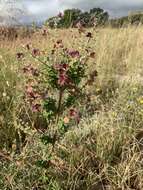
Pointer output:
x,y
41,9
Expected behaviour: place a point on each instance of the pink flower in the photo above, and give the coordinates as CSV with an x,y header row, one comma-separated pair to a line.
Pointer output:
x,y
61,67
33,98
36,107
30,92
35,52
74,114
73,53
26,69
60,44
31,70
34,72
63,79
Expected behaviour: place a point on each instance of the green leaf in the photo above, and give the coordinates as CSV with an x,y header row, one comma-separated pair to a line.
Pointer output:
x,y
43,163
47,139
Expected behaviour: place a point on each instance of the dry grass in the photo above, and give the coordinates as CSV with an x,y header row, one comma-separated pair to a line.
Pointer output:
x,y
105,151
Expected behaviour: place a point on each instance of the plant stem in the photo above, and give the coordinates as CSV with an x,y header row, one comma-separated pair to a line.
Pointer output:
x,y
59,105
57,117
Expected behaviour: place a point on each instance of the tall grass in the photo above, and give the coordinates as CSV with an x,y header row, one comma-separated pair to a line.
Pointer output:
x,y
105,151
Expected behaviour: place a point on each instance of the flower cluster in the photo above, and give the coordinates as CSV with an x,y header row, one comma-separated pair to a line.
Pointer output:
x,y
73,53
63,78
32,94
74,114
58,44
35,52
33,97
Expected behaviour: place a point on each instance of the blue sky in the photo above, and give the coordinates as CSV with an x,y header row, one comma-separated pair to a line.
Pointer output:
x,y
42,9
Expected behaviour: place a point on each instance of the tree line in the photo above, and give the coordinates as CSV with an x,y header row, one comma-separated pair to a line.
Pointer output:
x,y
71,17
132,19
95,16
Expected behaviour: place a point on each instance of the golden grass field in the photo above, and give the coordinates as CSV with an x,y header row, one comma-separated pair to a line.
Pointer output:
x,y
105,151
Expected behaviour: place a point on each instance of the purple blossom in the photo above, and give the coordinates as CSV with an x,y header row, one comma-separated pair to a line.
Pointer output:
x,y
26,69
36,107
62,67
20,55
73,53
63,79
29,69
35,52
31,93
60,14
60,44
34,72
74,114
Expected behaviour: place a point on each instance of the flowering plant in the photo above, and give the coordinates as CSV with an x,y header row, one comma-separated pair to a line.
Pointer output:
x,y
63,79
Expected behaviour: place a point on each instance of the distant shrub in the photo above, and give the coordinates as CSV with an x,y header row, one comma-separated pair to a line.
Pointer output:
x,y
133,19
12,33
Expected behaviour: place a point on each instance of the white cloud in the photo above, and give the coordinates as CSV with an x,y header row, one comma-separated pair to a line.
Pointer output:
x,y
42,9
45,8
115,7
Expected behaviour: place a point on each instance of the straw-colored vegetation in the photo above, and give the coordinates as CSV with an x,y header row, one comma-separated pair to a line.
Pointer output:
x,y
104,152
